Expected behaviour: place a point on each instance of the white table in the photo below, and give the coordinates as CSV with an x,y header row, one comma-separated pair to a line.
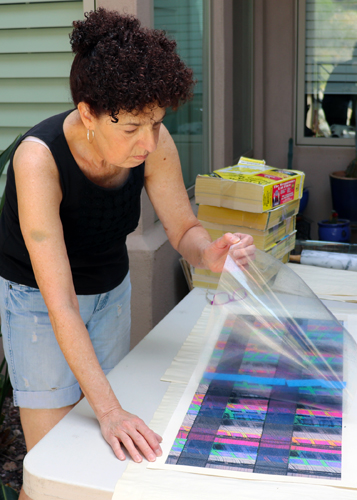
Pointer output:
x,y
73,462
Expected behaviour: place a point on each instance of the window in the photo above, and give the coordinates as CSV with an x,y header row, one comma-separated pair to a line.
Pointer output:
x,y
327,72
186,21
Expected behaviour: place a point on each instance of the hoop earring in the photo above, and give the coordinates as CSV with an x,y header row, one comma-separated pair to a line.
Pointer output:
x,y
90,140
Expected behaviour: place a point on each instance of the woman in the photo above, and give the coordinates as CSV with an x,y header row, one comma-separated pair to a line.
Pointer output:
x,y
72,196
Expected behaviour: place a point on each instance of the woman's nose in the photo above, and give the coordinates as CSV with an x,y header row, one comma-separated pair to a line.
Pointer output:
x,y
149,140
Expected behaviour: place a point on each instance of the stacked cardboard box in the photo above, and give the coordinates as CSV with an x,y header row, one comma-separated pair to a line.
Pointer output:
x,y
250,198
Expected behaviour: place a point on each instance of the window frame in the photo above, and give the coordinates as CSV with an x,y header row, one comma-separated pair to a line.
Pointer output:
x,y
301,140
238,62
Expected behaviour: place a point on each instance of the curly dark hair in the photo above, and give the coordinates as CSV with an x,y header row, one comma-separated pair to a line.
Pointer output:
x,y
120,65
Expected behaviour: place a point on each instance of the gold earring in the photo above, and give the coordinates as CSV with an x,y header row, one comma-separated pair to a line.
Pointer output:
x,y
90,140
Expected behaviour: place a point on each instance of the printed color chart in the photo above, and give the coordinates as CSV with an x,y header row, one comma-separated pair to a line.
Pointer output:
x,y
255,411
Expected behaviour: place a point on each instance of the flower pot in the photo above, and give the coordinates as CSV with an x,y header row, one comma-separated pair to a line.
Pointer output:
x,y
341,231
344,195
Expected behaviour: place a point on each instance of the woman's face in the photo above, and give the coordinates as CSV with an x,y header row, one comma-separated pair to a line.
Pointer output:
x,y
127,143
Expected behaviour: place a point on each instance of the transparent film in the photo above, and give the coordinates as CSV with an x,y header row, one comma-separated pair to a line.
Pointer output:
x,y
280,340
272,394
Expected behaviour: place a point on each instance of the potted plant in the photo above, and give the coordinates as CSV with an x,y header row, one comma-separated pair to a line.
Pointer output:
x,y
344,189
335,229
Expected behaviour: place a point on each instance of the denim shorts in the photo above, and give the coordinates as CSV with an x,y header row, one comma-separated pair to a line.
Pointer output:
x,y
39,373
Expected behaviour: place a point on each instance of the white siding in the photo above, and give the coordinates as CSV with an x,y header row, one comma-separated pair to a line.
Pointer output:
x,y
35,61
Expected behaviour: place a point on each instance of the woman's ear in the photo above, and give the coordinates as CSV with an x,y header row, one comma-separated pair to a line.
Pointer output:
x,y
86,115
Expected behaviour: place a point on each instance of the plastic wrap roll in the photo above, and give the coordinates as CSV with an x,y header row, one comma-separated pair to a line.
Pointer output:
x,y
332,260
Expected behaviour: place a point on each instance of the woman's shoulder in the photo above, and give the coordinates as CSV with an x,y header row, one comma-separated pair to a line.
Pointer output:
x,y
49,129
35,171
50,153
35,153
34,157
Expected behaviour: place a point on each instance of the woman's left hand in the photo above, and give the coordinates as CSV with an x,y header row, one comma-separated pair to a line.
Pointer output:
x,y
120,428
239,246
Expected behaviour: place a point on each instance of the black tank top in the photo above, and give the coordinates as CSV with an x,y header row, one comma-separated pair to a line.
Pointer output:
x,y
95,220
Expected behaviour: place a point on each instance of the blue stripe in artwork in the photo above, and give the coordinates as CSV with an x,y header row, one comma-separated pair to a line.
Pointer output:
x,y
335,384
244,378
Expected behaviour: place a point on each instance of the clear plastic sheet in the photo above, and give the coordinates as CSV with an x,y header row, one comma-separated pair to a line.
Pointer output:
x,y
272,395
281,337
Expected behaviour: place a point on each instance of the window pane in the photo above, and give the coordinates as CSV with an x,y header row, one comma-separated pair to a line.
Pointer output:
x,y
184,21
330,68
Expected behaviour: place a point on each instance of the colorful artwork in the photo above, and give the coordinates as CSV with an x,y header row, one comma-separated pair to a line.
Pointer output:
x,y
255,411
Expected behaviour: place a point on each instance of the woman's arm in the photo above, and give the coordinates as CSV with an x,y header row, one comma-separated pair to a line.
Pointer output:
x,y
165,187
39,197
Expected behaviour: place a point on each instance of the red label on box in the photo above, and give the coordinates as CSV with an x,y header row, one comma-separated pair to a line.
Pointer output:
x,y
270,176
284,192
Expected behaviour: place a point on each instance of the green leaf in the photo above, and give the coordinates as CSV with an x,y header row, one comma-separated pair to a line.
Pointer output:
x,y
5,155
351,170
2,201
2,364
4,158
7,493
5,388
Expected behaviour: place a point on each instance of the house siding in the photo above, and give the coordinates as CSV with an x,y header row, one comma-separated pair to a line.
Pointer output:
x,y
35,61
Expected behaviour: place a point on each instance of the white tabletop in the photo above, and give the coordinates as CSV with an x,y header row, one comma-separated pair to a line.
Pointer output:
x,y
73,462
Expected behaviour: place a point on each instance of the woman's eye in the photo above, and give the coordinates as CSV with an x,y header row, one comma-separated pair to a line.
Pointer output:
x,y
130,131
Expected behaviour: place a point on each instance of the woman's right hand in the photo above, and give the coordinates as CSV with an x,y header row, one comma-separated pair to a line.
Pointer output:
x,y
120,428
